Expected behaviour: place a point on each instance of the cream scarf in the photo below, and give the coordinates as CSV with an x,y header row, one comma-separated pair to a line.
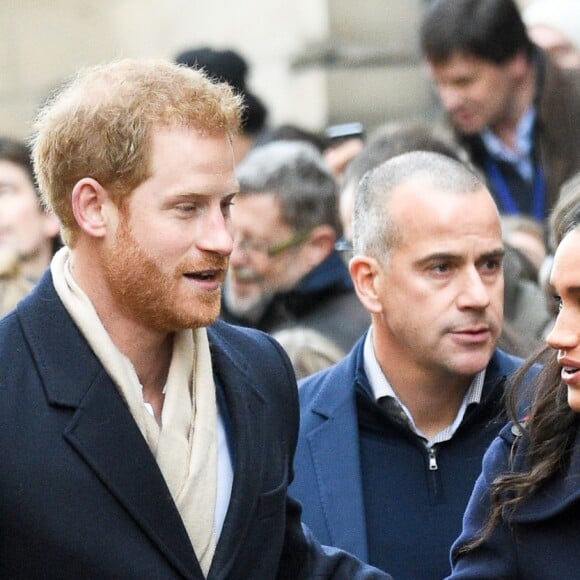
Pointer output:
x,y
185,445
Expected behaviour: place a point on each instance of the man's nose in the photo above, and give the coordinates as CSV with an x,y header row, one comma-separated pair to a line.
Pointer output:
x,y
216,235
474,292
450,97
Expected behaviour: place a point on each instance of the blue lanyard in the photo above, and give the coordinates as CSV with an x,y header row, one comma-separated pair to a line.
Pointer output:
x,y
507,202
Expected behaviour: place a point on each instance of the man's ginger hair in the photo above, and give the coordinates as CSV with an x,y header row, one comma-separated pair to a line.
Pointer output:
x,y
100,126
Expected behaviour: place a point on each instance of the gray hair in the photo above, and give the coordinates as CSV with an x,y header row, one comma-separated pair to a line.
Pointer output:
x,y
296,173
374,233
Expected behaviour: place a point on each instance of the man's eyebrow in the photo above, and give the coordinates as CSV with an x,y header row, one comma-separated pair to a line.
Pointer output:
x,y
201,195
443,256
499,253
449,256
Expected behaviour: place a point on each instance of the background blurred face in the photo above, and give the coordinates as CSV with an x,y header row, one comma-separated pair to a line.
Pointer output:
x,y
475,93
565,336
168,258
24,227
442,287
254,276
560,49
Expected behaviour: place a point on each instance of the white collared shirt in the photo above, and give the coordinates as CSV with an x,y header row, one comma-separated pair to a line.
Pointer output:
x,y
382,388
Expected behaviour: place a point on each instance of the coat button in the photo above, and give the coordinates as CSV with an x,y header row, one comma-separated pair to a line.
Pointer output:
x,y
516,430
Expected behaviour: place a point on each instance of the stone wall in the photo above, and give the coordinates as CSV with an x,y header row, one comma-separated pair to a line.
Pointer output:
x,y
314,62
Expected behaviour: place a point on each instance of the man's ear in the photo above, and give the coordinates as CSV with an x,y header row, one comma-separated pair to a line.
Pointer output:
x,y
320,244
519,65
364,272
90,204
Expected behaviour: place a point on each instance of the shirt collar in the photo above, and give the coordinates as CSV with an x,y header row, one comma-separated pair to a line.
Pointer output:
x,y
521,156
382,388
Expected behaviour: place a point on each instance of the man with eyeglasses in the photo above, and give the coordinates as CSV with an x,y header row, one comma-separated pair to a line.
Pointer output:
x,y
284,270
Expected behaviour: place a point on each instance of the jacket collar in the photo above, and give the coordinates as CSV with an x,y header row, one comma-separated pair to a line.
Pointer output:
x,y
557,494
334,391
335,400
331,396
245,407
64,359
330,273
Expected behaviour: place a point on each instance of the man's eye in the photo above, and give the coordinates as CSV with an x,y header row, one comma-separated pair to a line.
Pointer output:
x,y
462,82
441,268
186,207
558,302
492,265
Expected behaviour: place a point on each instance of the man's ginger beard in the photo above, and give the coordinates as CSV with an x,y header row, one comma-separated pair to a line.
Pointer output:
x,y
164,301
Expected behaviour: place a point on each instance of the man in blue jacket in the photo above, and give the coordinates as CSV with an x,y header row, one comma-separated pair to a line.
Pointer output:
x,y
392,437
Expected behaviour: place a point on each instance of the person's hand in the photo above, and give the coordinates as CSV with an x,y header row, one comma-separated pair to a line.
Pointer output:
x,y
337,156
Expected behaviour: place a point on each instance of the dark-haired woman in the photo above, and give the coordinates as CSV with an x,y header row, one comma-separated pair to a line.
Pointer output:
x,y
523,519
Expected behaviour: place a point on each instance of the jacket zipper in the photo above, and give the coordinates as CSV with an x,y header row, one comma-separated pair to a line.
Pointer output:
x,y
433,459
434,479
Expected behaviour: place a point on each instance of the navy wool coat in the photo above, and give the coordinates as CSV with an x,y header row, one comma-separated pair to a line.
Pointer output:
x,y
81,495
540,540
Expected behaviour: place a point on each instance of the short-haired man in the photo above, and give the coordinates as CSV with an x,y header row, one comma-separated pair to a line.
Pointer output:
x,y
392,437
137,442
514,110
284,269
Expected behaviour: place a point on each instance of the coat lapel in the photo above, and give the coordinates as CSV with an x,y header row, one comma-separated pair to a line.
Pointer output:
x,y
245,407
334,448
102,430
111,443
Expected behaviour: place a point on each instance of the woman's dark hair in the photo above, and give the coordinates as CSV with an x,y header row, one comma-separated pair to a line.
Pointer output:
x,y
549,428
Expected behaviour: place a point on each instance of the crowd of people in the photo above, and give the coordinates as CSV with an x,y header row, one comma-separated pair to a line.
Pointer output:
x,y
243,351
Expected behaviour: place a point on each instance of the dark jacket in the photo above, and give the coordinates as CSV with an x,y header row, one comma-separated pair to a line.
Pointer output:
x,y
556,142
323,300
540,540
81,495
427,505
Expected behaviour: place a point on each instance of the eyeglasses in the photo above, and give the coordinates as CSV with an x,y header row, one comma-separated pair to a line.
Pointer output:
x,y
264,249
